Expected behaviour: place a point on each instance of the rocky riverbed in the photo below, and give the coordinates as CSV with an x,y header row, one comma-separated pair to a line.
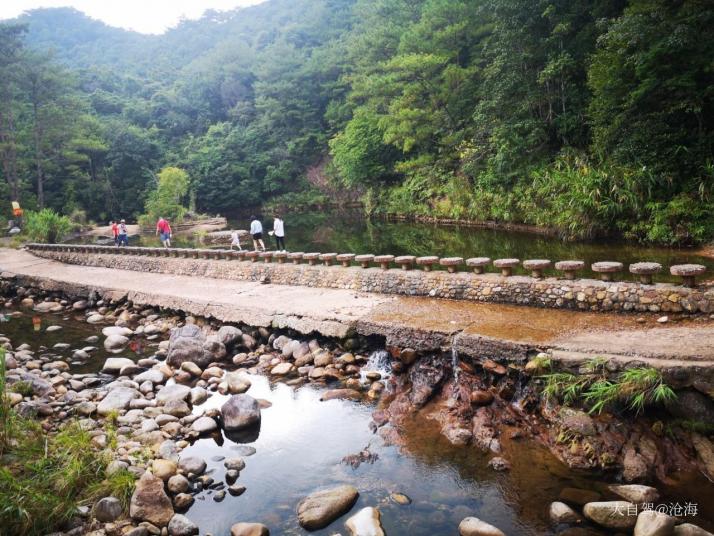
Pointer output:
x,y
231,429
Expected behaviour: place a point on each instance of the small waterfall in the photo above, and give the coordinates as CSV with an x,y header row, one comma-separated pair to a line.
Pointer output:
x,y
378,361
455,366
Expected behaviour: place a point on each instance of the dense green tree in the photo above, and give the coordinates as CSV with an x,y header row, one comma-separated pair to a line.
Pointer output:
x,y
591,116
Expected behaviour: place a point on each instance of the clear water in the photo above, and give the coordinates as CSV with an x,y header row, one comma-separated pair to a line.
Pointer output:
x,y
349,232
302,442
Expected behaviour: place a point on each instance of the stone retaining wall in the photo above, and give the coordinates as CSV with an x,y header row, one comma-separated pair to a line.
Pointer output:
x,y
581,294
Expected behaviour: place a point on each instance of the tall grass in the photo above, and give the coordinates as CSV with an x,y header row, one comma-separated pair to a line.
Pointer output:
x,y
44,477
47,226
634,389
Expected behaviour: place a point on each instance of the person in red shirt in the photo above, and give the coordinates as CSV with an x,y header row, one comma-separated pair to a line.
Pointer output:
x,y
115,232
163,229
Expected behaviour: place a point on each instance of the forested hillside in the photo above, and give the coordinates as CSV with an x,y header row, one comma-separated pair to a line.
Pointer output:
x,y
593,116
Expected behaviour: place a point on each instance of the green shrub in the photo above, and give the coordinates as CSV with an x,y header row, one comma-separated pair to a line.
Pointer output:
x,y
166,200
46,226
635,388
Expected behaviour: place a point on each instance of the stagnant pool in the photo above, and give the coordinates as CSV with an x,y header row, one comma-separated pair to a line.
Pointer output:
x,y
302,444
349,231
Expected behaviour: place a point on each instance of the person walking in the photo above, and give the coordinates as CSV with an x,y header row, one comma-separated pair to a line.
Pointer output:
x,y
115,232
256,231
163,229
123,235
235,240
279,232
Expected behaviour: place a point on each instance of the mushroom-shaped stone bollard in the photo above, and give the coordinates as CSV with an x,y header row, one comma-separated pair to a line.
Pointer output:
x,y
405,261
688,273
645,271
252,256
165,252
606,269
296,257
384,261
311,258
280,256
478,264
267,256
345,259
506,266
194,253
364,260
174,252
569,268
328,258
214,254
206,253
427,262
241,255
451,263
536,266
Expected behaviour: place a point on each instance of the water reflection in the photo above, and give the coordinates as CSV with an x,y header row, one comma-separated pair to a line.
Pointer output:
x,y
300,447
348,231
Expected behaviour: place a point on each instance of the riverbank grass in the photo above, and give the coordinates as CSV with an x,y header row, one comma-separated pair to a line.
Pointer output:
x,y
634,389
45,477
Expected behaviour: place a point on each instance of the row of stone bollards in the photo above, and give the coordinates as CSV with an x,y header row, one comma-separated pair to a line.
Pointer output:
x,y
606,270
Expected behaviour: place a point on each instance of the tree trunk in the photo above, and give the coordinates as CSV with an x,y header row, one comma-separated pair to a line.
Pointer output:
x,y
38,158
8,149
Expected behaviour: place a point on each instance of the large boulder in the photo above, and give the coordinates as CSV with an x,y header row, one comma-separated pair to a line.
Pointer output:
x,y
117,399
107,509
321,508
116,330
114,343
636,493
229,335
180,525
237,382
617,515
150,502
192,464
249,529
113,365
473,526
173,392
39,386
186,344
651,523
239,412
365,523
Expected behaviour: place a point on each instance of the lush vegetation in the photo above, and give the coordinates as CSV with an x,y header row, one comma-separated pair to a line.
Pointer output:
x,y
47,226
633,389
44,477
592,116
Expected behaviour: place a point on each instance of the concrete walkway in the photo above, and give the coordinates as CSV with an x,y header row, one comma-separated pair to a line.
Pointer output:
x,y
480,330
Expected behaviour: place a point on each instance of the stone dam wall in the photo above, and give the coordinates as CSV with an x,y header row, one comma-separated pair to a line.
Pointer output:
x,y
549,292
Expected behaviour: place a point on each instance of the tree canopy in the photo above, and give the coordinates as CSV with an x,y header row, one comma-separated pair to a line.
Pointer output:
x,y
592,116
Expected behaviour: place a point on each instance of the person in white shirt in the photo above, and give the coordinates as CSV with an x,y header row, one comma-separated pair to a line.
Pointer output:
x,y
279,232
256,231
235,240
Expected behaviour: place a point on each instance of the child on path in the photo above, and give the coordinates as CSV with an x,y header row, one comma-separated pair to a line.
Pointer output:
x,y
235,240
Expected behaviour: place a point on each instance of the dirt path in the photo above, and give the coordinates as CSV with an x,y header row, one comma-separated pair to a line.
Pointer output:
x,y
334,312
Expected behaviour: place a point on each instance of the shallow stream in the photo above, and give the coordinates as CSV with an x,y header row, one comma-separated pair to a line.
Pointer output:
x,y
302,442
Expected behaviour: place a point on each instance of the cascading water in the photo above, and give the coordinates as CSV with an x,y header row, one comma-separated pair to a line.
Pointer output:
x,y
455,366
378,361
